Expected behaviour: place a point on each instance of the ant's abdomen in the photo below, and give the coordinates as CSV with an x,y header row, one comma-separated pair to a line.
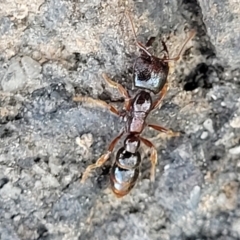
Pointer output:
x,y
124,172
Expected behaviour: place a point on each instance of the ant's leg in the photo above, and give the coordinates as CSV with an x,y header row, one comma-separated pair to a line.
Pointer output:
x,y
160,97
120,88
191,35
164,130
153,157
97,102
113,84
102,159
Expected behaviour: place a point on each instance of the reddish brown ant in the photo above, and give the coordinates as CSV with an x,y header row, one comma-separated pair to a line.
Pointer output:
x,y
151,74
125,170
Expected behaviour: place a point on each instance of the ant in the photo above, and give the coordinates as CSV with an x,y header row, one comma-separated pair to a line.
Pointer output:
x,y
151,75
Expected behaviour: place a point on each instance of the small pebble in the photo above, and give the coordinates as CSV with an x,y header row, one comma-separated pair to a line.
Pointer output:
x,y
166,167
31,67
195,196
204,135
14,79
36,55
235,150
214,97
208,125
17,218
85,141
235,122
223,104
221,200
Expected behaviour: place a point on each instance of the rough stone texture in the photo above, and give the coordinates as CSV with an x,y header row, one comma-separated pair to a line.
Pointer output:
x,y
53,50
222,23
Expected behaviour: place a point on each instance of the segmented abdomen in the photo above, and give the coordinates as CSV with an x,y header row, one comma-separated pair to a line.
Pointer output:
x,y
124,172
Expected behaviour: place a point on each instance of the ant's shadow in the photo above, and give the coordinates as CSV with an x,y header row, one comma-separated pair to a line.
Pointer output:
x,y
202,76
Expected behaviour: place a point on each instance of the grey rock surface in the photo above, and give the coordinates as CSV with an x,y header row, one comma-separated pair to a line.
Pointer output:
x,y
53,50
15,78
223,29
